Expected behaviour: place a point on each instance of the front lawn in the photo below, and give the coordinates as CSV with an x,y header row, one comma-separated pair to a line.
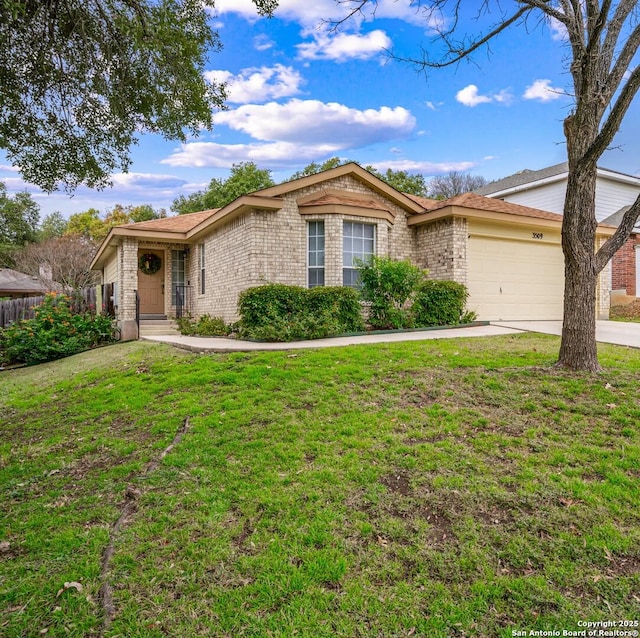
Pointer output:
x,y
439,488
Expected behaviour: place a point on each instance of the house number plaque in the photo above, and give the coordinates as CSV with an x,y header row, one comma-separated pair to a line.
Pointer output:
x,y
537,235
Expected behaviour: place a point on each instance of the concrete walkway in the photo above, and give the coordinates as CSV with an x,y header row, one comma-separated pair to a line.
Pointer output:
x,y
621,333
616,332
220,344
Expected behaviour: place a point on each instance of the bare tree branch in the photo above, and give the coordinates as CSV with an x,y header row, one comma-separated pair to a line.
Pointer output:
x,y
616,241
619,110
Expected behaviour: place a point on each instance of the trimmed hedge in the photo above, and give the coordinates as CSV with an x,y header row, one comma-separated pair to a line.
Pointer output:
x,y
441,303
277,312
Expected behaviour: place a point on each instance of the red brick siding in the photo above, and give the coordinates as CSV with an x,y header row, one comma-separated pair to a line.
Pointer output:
x,y
624,267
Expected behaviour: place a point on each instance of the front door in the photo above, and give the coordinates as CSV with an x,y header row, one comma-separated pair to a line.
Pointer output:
x,y
151,281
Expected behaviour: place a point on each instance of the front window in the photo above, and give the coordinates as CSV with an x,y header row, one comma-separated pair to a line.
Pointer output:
x,y
358,244
202,268
177,275
316,254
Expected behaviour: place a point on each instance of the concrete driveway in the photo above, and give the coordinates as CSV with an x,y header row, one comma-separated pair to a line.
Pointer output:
x,y
621,333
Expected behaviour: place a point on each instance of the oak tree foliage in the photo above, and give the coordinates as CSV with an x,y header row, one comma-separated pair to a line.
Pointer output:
x,y
81,79
244,178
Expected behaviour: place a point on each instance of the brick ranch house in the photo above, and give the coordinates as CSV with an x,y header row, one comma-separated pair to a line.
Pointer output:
x,y
615,192
308,232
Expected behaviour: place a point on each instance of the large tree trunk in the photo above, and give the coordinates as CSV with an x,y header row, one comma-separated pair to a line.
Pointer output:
x,y
578,349
578,346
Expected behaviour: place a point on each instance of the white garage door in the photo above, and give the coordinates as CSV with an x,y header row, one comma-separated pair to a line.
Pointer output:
x,y
515,279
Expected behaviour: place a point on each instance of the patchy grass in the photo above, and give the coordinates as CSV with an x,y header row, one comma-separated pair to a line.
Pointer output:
x,y
441,488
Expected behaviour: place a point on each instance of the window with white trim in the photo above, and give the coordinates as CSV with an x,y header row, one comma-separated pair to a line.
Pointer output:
x,y
315,254
177,274
358,244
202,268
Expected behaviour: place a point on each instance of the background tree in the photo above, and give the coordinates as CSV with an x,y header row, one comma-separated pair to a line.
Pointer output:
x,y
94,226
244,178
53,225
79,79
87,224
602,39
454,183
412,183
19,217
314,167
68,257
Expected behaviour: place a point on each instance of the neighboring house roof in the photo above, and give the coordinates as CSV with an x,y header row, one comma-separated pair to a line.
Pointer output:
x,y
616,218
14,282
526,179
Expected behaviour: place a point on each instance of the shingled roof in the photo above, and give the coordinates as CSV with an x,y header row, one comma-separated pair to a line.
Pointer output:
x,y
523,177
479,202
176,224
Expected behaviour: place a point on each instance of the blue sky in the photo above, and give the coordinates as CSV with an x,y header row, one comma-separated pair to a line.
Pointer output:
x,y
300,91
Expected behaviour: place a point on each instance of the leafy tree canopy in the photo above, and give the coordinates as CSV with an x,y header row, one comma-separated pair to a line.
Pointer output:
x,y
94,226
79,79
53,225
19,217
412,183
245,178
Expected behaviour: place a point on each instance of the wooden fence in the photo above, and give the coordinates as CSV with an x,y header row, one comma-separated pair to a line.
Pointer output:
x,y
83,300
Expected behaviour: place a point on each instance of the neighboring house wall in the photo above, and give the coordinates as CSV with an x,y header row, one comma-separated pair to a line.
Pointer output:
x,y
611,196
548,197
624,267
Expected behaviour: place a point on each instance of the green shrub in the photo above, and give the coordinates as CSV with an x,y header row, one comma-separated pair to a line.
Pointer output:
x,y
340,301
205,326
276,312
440,303
55,332
389,285
209,326
186,325
262,305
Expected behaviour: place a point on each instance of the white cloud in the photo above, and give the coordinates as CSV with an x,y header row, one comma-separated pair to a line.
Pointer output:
x,y
426,168
144,182
558,30
344,46
542,91
296,132
9,168
315,122
270,155
319,11
259,84
470,96
503,97
262,43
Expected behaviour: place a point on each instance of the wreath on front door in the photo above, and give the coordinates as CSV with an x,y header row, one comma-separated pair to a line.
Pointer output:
x,y
149,263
